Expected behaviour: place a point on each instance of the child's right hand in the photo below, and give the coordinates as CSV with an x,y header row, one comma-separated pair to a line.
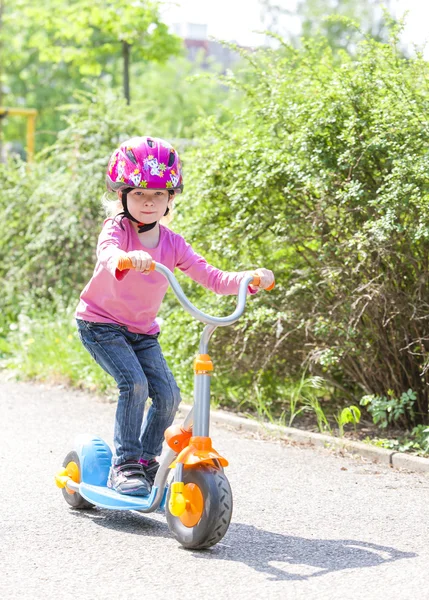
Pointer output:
x,y
141,261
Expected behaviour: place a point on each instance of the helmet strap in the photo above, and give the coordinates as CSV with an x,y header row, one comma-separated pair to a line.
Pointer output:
x,y
142,227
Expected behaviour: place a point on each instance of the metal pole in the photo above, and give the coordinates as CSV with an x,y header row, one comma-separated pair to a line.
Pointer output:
x,y
31,129
31,114
126,74
201,419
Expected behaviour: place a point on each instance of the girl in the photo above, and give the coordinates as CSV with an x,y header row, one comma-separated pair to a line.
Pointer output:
x,y
116,315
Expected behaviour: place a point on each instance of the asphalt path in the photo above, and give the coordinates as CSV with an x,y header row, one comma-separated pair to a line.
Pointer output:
x,y
307,523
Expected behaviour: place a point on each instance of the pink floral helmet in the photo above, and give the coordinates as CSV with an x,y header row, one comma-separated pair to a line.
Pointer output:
x,y
146,162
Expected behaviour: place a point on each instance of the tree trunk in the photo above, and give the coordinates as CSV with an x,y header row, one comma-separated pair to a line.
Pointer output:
x,y
126,75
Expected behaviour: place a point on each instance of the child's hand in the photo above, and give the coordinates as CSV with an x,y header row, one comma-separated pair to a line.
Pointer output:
x,y
267,279
141,260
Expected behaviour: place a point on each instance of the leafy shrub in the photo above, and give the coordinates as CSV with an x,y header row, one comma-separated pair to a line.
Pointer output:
x,y
416,442
47,348
388,410
51,209
349,414
322,176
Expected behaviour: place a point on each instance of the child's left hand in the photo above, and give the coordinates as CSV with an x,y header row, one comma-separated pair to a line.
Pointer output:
x,y
267,279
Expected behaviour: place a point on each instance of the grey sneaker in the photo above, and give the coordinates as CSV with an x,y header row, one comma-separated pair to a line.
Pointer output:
x,y
150,468
129,478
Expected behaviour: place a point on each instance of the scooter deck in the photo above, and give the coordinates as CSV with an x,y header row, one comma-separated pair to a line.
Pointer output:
x,y
104,497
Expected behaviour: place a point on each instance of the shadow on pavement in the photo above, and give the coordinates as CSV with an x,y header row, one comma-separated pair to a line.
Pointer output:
x,y
281,557
289,557
127,521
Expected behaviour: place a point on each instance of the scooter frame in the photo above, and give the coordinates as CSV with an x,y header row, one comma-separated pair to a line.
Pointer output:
x,y
95,455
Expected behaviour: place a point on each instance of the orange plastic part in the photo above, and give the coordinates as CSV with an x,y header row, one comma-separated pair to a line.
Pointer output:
x,y
257,281
73,472
203,363
177,438
198,451
125,262
194,505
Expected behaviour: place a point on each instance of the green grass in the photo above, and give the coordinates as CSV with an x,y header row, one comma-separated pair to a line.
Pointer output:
x,y
48,349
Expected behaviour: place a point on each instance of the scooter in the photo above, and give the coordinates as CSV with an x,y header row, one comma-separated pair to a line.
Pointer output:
x,y
198,501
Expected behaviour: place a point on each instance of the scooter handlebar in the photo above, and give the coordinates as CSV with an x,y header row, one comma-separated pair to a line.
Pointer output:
x,y
126,263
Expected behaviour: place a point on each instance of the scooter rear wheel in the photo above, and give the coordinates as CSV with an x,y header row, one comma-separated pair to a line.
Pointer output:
x,y
72,464
208,508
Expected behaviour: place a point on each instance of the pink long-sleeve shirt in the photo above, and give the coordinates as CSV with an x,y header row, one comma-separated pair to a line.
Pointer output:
x,y
132,299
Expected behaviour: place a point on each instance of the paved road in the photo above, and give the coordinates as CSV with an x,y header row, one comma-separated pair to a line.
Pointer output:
x,y
307,524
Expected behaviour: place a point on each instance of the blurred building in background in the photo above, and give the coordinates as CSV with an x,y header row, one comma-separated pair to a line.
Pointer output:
x,y
197,43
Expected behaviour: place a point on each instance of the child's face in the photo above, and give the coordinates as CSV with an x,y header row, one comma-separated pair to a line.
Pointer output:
x,y
147,206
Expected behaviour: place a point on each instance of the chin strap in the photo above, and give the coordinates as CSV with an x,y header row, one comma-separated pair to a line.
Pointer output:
x,y
146,226
126,213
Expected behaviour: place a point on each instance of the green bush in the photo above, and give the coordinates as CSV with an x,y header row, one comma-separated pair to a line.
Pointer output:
x,y
389,410
322,176
47,348
416,442
51,209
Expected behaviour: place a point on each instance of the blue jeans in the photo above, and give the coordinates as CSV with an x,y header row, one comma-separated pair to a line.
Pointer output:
x,y
136,362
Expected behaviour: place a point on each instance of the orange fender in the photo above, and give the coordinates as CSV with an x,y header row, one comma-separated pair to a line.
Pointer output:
x,y
198,451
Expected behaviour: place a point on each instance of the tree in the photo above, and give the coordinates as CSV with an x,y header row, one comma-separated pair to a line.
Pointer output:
x,y
49,51
326,18
366,13
93,35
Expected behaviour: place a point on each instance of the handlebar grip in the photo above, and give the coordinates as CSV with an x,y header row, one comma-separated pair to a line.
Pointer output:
x,y
126,263
257,280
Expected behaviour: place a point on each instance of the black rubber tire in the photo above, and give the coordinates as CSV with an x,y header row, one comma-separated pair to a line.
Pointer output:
x,y
74,500
217,510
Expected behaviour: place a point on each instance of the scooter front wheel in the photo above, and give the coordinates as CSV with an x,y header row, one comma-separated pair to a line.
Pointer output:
x,y
72,465
208,509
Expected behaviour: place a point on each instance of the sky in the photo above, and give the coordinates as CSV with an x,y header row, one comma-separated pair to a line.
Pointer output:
x,y
237,20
